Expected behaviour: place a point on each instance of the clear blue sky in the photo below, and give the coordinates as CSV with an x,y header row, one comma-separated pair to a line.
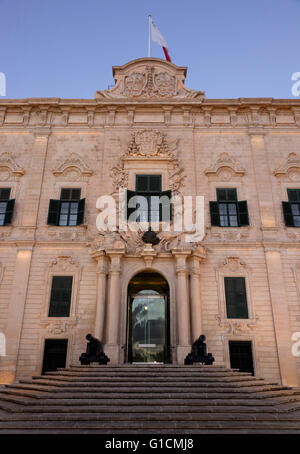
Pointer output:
x,y
232,48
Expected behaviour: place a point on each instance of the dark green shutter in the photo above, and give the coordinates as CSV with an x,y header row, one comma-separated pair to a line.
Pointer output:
x,y
9,211
60,300
80,215
214,213
53,213
165,206
129,211
236,299
243,213
287,214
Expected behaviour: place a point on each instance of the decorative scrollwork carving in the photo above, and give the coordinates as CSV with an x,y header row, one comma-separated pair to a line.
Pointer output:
x,y
73,168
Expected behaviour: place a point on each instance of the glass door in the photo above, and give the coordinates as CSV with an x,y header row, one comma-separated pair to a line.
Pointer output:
x,y
148,330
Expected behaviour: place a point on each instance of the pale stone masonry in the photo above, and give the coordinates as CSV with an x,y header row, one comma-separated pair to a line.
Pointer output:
x,y
150,123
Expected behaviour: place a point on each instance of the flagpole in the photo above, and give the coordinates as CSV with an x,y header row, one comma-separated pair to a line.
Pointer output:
x,y
149,35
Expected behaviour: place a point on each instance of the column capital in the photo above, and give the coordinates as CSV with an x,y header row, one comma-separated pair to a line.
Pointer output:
x,y
181,257
41,132
255,131
115,258
181,253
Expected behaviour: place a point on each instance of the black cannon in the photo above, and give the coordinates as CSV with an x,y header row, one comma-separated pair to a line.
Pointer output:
x,y
94,352
199,353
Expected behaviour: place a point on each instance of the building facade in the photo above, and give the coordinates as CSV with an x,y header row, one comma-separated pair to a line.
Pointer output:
x,y
61,277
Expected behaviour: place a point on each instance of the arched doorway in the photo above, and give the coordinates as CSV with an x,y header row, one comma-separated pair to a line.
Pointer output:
x,y
148,319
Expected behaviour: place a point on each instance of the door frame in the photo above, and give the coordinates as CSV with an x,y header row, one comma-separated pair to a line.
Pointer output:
x,y
128,344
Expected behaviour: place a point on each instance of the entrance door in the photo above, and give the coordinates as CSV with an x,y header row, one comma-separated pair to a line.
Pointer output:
x,y
55,354
241,356
148,321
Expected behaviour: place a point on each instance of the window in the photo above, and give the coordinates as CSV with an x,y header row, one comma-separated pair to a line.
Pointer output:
x,y
55,354
150,203
69,210
227,211
6,206
60,299
241,358
291,209
236,298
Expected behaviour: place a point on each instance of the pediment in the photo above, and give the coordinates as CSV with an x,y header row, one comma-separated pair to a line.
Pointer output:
x,y
290,168
149,78
225,167
72,168
9,169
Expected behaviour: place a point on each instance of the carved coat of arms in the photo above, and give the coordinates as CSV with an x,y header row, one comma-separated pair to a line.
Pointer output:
x,y
134,84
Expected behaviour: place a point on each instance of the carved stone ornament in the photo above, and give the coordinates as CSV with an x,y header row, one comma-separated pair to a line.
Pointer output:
x,y
236,327
58,326
290,168
64,263
150,143
149,78
73,168
9,169
133,243
225,168
232,264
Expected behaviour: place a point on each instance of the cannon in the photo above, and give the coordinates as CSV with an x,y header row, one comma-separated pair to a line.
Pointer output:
x,y
199,353
94,352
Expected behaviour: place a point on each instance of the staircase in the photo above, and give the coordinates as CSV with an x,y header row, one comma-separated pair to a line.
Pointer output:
x,y
142,399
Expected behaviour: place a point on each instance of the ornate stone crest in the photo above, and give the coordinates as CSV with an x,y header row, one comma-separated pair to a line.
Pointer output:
x,y
135,84
165,84
149,78
150,143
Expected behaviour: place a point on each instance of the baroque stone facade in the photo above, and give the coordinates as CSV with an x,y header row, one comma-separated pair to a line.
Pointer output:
x,y
150,123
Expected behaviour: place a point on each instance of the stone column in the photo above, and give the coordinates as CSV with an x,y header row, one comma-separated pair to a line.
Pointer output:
x,y
15,314
101,294
182,306
283,334
196,306
112,348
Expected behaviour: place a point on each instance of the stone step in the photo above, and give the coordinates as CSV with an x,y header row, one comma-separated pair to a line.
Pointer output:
x,y
166,407
152,392
160,425
148,373
167,386
115,399
153,416
69,379
148,399
53,384
136,409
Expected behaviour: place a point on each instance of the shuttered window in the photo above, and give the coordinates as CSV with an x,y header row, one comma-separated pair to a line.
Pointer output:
x,y
60,299
236,298
291,209
69,210
227,211
148,202
6,207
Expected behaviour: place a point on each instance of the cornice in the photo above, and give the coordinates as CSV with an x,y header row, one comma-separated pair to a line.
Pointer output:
x,y
85,102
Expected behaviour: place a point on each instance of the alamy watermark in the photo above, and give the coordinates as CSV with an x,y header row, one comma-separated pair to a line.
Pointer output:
x,y
2,345
2,84
296,345
296,86
133,214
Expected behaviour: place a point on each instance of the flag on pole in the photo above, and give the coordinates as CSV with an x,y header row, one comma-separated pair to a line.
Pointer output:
x,y
157,37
